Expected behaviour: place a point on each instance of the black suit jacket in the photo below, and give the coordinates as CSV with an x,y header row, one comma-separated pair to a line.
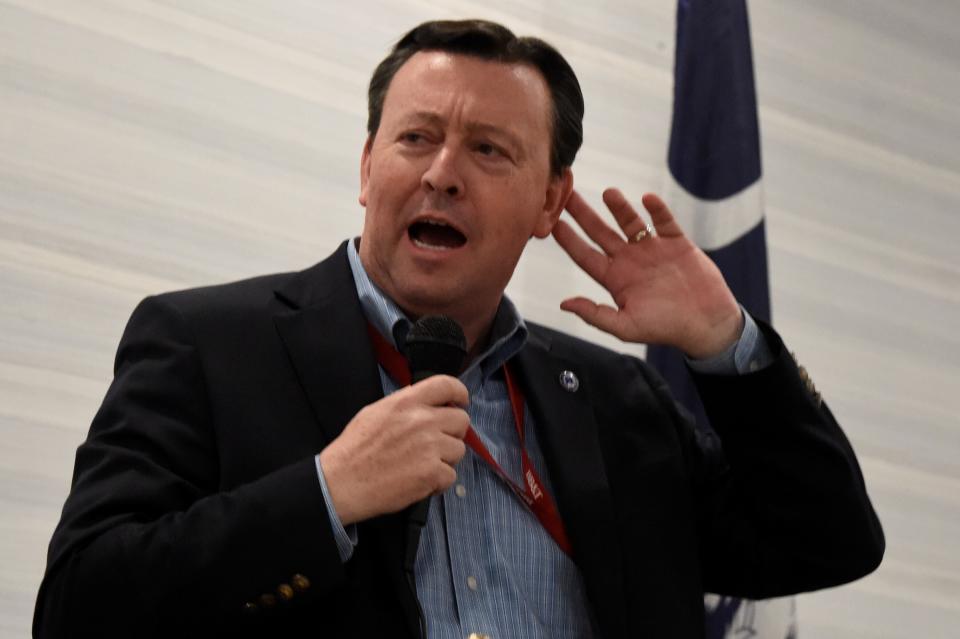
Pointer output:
x,y
195,496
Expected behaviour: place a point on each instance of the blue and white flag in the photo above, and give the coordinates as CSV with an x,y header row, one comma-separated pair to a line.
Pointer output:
x,y
716,194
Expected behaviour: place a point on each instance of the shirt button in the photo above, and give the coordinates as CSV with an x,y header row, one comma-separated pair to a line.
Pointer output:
x,y
461,490
472,582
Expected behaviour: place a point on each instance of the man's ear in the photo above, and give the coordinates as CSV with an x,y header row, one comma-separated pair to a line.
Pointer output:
x,y
365,170
558,192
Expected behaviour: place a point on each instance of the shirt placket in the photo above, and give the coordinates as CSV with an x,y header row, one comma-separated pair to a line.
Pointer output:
x,y
466,536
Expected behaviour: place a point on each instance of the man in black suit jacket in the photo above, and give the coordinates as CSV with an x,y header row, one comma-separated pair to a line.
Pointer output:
x,y
196,506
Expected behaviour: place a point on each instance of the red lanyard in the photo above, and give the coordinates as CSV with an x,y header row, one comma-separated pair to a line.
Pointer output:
x,y
532,493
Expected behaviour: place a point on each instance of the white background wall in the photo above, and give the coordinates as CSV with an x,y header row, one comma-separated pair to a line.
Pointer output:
x,y
148,146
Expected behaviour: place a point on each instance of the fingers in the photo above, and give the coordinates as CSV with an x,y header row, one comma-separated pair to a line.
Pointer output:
x,y
445,477
602,316
593,225
586,257
398,449
627,218
623,212
451,451
453,421
435,405
663,219
439,390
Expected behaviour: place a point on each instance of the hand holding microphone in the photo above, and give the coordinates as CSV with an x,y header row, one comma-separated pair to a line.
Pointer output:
x,y
402,448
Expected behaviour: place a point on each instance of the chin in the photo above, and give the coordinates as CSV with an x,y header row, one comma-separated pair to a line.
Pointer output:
x,y
434,300
422,303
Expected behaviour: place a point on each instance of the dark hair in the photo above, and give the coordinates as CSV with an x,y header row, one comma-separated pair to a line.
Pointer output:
x,y
491,41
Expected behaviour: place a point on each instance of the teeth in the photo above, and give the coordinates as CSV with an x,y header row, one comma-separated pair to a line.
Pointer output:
x,y
433,247
436,223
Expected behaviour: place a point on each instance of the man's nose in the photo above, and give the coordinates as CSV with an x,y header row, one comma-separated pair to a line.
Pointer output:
x,y
443,175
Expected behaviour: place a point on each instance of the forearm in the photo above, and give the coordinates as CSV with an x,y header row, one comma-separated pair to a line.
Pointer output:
x,y
793,498
780,501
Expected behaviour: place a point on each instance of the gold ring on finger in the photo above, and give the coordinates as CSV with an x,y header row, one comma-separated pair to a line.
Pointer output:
x,y
642,234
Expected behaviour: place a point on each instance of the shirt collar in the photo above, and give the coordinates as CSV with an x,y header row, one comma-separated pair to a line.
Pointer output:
x,y
508,333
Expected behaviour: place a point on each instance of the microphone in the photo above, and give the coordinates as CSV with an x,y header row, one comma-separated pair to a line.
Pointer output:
x,y
435,345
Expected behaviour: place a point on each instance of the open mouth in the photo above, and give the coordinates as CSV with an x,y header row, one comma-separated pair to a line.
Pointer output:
x,y
435,235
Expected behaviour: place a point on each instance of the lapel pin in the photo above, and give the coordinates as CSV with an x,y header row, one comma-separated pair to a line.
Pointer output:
x,y
569,381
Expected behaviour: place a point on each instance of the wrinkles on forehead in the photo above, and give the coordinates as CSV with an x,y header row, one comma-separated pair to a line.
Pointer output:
x,y
474,96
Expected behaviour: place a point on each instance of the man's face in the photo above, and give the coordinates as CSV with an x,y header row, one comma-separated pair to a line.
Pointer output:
x,y
456,181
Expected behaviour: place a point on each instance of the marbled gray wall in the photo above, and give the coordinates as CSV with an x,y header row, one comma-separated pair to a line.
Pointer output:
x,y
153,145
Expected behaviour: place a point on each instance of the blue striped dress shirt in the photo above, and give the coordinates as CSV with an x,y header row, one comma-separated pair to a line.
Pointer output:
x,y
485,563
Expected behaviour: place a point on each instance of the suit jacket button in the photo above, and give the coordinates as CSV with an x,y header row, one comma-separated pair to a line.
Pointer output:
x,y
285,591
267,600
300,583
250,607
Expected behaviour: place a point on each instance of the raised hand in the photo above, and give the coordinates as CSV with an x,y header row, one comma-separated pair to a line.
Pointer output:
x,y
398,450
666,290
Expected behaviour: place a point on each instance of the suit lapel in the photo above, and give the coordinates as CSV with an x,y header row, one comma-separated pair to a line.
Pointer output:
x,y
567,432
324,333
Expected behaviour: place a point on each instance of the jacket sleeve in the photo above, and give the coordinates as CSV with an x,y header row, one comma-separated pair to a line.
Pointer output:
x,y
782,504
147,538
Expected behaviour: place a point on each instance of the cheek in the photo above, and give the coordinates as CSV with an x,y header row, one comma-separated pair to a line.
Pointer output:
x,y
524,216
393,183
508,239
383,204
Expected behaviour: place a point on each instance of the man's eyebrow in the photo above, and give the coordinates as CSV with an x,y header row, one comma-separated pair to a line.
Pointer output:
x,y
492,129
424,116
429,117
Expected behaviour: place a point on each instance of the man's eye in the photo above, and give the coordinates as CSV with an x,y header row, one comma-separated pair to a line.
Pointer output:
x,y
485,148
412,138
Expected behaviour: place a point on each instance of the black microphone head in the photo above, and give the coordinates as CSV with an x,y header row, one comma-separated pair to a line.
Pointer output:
x,y
435,345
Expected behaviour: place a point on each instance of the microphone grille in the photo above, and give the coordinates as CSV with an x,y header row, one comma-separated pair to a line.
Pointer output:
x,y
435,345
438,329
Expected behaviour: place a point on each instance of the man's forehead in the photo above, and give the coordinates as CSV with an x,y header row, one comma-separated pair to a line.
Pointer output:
x,y
505,95
440,60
